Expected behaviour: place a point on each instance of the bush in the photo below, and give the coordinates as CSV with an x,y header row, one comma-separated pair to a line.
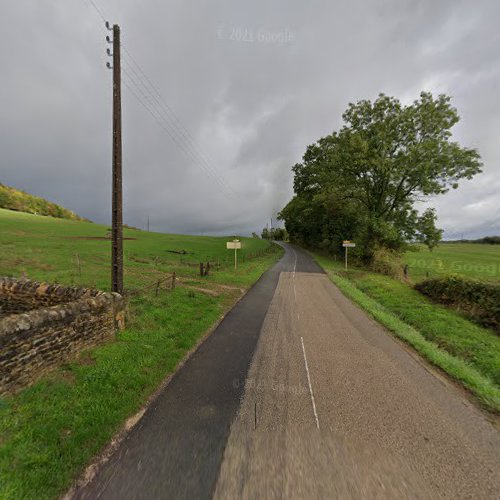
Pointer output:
x,y
478,300
387,262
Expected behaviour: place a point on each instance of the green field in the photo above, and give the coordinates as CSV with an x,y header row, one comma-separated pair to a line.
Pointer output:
x,y
471,260
467,352
73,252
51,430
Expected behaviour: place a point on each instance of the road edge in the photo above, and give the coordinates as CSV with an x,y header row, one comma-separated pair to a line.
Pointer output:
x,y
489,409
91,470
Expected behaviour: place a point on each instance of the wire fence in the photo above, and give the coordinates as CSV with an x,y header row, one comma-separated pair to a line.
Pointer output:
x,y
142,274
167,283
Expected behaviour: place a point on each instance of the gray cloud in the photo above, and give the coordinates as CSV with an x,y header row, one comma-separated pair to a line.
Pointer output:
x,y
250,101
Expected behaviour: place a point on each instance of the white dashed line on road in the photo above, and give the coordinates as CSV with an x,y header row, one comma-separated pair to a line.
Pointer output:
x,y
310,385
295,263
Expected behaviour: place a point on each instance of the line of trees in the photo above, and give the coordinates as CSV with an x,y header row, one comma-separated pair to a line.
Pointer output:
x,y
362,182
275,233
486,240
15,199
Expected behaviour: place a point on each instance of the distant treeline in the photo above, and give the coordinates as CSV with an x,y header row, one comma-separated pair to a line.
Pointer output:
x,y
15,199
487,240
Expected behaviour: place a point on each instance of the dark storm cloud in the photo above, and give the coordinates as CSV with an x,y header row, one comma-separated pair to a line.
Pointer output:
x,y
253,83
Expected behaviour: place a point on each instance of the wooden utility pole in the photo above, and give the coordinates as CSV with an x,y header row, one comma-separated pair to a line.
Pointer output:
x,y
117,212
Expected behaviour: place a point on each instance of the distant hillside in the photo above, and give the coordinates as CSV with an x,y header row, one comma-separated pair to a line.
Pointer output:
x,y
14,199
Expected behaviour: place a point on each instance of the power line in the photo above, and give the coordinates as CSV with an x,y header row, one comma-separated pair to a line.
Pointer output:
x,y
153,96
161,101
97,9
165,125
189,145
158,117
186,141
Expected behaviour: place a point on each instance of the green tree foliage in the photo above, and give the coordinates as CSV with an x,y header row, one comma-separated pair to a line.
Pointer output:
x,y
486,240
275,233
279,234
362,182
15,199
426,230
490,240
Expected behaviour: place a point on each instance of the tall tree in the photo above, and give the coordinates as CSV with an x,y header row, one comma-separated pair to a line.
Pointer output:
x,y
385,158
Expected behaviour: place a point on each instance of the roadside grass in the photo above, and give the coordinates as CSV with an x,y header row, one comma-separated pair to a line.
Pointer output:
x,y
467,352
50,431
471,260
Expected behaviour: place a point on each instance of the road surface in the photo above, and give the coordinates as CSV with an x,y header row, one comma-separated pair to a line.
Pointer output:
x,y
298,394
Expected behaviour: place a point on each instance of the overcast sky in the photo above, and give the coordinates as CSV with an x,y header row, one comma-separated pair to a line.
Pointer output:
x,y
246,86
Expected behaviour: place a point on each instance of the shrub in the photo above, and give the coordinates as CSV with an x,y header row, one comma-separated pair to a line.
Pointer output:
x,y
478,300
387,262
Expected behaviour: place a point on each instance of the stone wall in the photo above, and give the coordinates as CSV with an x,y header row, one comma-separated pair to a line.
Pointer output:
x,y
17,296
42,326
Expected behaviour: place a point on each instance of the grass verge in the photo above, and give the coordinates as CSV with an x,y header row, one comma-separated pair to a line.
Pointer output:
x,y
50,431
468,353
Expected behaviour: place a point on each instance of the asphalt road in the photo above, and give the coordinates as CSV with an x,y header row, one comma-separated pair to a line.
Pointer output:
x,y
176,449
298,394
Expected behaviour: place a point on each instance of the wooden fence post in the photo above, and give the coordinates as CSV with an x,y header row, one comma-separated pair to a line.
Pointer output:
x,y
157,288
201,268
78,264
173,280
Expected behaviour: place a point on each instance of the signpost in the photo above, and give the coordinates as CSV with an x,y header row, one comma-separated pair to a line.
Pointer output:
x,y
236,245
347,244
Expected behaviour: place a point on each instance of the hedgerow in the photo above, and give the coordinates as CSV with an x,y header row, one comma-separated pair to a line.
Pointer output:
x,y
478,300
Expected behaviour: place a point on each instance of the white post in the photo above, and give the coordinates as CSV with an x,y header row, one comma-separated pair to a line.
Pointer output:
x,y
346,258
235,258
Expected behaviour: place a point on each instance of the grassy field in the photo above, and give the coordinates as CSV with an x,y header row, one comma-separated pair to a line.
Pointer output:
x,y
51,430
465,259
73,252
467,352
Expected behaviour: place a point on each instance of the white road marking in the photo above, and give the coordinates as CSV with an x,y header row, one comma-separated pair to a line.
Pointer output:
x,y
310,386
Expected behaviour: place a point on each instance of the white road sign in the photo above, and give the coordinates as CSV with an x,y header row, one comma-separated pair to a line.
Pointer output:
x,y
234,245
347,244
